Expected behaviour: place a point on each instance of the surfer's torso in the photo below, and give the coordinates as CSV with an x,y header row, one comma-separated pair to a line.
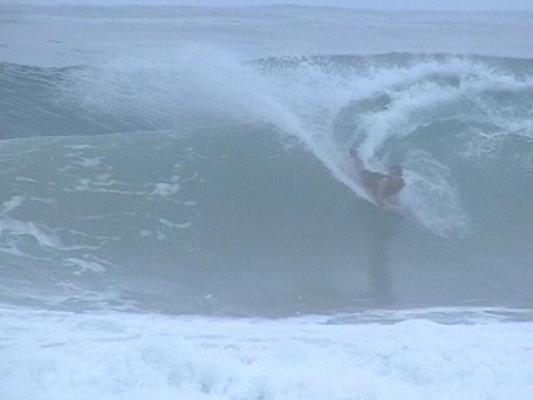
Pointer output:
x,y
381,186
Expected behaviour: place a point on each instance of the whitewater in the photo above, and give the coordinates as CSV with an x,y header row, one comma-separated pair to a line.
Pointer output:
x,y
179,217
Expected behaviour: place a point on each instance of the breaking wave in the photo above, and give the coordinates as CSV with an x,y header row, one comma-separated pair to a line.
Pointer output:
x,y
219,173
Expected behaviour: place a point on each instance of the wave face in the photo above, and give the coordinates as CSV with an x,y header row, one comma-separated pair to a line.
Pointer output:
x,y
202,184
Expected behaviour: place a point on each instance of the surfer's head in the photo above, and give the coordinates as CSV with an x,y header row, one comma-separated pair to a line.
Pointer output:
x,y
353,152
396,170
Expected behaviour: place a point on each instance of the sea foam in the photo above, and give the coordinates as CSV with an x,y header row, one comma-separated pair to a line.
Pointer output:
x,y
51,355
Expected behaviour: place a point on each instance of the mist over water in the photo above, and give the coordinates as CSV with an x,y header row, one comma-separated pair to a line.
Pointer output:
x,y
145,179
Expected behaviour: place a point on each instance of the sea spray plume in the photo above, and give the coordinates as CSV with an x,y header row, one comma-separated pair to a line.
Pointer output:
x,y
198,83
175,89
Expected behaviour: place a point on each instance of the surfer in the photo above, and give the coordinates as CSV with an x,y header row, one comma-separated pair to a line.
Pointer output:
x,y
382,187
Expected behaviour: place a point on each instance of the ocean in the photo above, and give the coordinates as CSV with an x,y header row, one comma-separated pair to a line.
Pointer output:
x,y
179,217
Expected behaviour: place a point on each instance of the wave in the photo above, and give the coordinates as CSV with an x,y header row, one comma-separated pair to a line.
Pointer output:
x,y
229,171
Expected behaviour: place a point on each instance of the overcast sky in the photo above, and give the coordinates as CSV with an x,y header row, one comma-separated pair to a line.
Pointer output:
x,y
471,5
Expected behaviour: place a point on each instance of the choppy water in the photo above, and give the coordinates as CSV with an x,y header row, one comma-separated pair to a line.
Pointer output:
x,y
200,182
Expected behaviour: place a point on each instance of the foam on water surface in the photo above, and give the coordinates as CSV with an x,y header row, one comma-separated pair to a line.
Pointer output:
x,y
106,355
